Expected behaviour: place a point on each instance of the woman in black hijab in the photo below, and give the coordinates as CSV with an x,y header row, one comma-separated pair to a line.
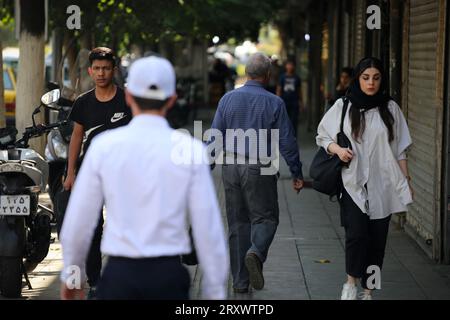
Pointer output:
x,y
376,181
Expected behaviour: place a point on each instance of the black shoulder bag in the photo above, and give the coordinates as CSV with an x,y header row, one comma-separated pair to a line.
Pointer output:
x,y
326,169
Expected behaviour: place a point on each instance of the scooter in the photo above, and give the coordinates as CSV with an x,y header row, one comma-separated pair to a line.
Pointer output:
x,y
25,227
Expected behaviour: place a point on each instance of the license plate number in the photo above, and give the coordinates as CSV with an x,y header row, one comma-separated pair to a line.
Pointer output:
x,y
17,205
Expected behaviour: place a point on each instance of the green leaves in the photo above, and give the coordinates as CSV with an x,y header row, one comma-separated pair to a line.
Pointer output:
x,y
158,19
148,21
6,12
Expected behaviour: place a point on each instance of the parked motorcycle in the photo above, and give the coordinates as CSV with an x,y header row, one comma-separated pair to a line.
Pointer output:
x,y
24,224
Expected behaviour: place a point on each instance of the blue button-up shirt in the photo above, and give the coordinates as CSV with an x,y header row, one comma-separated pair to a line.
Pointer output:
x,y
253,107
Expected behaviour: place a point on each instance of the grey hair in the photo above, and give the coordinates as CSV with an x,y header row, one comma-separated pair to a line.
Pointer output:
x,y
258,66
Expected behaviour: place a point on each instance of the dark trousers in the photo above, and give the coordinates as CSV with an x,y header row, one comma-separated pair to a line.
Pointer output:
x,y
94,258
365,239
163,278
293,113
252,214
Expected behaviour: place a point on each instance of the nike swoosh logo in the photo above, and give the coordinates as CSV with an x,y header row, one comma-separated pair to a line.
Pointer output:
x,y
115,119
87,133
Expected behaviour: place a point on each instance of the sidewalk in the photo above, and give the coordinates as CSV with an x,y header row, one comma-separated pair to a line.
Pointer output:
x,y
306,259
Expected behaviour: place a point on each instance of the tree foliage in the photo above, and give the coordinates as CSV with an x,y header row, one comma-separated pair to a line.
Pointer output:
x,y
123,22
6,12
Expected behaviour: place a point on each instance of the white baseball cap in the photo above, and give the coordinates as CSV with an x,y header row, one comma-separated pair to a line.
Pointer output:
x,y
151,78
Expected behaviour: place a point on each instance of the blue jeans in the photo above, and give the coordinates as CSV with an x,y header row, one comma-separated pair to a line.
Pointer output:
x,y
252,213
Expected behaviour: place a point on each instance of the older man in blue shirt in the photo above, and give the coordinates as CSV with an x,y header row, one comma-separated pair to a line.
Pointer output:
x,y
247,115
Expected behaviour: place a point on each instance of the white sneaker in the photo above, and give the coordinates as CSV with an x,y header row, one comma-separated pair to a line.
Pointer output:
x,y
364,296
349,292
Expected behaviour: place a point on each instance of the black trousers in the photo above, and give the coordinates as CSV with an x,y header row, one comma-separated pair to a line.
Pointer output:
x,y
162,278
365,239
293,114
94,258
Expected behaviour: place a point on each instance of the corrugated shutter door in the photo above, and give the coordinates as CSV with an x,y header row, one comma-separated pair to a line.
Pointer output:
x,y
422,116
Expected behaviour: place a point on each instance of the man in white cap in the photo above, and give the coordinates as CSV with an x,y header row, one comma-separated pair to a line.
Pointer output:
x,y
134,170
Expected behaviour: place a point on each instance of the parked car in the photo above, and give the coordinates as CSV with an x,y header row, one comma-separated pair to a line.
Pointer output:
x,y
11,58
11,62
9,82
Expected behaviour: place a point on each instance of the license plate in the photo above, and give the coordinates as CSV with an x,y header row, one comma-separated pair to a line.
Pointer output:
x,y
18,205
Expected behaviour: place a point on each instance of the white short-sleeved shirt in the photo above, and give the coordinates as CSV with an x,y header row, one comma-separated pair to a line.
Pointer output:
x,y
375,160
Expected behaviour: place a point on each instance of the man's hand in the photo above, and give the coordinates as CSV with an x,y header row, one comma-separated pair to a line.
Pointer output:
x,y
71,294
68,183
297,184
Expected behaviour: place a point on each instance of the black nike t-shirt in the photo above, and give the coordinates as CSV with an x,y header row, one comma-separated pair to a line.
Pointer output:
x,y
96,116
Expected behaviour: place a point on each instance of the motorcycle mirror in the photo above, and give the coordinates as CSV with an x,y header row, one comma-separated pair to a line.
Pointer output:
x,y
51,97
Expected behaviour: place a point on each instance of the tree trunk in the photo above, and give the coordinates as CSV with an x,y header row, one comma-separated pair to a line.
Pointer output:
x,y
31,79
2,100
70,52
84,79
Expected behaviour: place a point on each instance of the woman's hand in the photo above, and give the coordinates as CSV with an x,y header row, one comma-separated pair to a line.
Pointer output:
x,y
345,154
403,163
410,187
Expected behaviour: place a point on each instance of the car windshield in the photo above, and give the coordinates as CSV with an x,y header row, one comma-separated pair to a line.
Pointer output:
x,y
7,81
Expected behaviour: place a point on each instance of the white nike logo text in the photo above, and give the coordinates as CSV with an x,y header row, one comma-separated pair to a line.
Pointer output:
x,y
118,116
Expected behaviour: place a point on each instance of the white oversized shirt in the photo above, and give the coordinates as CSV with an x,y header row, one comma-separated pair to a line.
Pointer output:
x,y
152,180
375,160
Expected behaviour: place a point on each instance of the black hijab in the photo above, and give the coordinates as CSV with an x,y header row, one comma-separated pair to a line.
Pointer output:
x,y
359,99
362,102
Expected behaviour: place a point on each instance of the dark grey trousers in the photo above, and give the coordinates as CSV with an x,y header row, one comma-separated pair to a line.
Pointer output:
x,y
252,213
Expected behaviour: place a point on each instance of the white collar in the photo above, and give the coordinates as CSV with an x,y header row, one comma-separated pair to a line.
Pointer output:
x,y
149,119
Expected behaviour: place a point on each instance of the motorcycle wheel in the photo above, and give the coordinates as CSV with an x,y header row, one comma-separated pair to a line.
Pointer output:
x,y
11,277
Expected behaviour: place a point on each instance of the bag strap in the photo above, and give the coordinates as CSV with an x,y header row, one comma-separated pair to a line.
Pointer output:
x,y
340,183
344,112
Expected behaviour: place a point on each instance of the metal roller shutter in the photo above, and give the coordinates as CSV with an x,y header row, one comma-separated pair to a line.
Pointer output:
x,y
424,121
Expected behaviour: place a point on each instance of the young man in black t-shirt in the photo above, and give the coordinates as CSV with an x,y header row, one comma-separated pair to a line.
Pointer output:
x,y
93,112
289,89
